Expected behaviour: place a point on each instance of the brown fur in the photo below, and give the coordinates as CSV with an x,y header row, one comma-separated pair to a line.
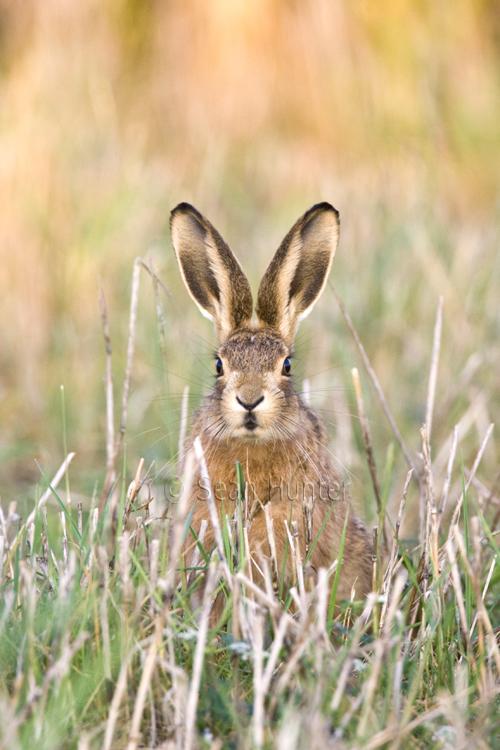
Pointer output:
x,y
254,415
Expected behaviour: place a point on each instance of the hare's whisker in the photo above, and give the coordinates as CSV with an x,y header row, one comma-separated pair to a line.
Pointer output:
x,y
320,443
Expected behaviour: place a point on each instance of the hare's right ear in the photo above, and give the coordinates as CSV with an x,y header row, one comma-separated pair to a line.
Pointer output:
x,y
213,276
298,272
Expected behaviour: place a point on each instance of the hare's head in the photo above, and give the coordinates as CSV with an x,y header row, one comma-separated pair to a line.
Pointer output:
x,y
254,397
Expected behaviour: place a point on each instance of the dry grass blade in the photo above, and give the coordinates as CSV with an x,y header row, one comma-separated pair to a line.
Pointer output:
x,y
268,582
248,556
279,638
103,604
194,687
308,503
252,587
455,578
182,431
287,673
477,461
293,540
485,589
375,559
110,410
180,512
132,492
389,573
153,564
124,560
395,597
447,480
272,540
41,503
431,393
476,411
2,548
134,299
113,451
64,542
214,517
322,604
156,279
494,487
475,525
144,686
376,385
197,552
121,686
482,611
178,685
256,620
399,733
430,542
80,518
368,445
53,485
360,628
381,646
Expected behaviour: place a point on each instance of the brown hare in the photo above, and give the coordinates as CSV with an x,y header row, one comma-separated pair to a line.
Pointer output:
x,y
254,415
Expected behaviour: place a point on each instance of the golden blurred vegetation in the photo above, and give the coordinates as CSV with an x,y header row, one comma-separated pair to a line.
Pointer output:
x,y
113,111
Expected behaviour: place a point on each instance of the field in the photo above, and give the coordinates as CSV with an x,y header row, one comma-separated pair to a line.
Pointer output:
x,y
111,113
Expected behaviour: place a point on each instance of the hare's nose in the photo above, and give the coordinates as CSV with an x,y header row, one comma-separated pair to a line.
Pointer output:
x,y
250,407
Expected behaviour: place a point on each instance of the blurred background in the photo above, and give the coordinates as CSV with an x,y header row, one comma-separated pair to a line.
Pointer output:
x,y
113,111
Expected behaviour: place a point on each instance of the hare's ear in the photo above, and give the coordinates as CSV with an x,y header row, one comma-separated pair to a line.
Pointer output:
x,y
213,276
299,270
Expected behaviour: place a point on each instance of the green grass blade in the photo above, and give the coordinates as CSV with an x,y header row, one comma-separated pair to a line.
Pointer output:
x,y
61,505
333,595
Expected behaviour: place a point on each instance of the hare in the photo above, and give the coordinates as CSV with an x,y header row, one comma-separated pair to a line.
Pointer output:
x,y
254,414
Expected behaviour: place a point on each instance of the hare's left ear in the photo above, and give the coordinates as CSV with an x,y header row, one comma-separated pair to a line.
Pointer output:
x,y
298,272
213,276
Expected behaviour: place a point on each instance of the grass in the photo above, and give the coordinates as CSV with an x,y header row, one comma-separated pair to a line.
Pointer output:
x,y
106,639
112,113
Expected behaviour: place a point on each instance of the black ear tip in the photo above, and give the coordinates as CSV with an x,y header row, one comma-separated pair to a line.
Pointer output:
x,y
191,213
185,208
323,206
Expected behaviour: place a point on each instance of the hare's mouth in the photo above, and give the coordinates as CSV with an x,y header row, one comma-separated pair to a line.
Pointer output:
x,y
250,423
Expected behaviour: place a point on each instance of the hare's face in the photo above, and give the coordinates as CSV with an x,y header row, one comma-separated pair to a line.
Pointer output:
x,y
256,399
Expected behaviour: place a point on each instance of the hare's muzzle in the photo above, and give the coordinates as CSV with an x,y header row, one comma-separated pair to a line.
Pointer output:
x,y
249,420
250,407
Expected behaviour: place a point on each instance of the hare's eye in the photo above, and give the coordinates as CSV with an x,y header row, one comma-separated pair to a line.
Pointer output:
x,y
287,366
218,367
